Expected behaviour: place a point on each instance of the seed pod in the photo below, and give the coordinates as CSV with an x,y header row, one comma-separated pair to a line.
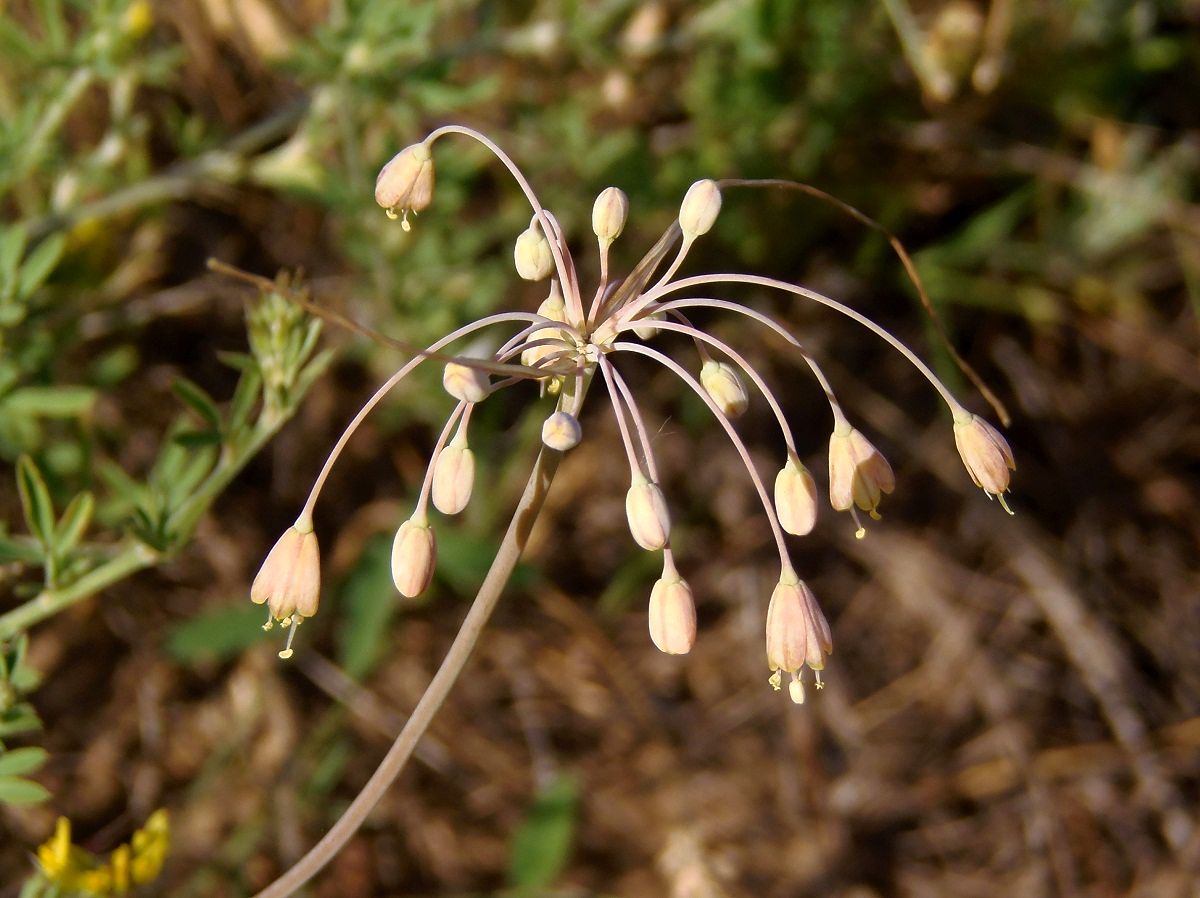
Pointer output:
x,y
672,614
796,498
561,431
532,255
289,580
609,214
985,453
414,556
724,387
465,383
649,519
454,476
699,210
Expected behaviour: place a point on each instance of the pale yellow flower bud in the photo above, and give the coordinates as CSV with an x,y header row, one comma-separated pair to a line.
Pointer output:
x,y
646,509
797,632
699,210
454,476
985,453
554,308
672,614
406,182
609,214
724,387
289,580
465,383
796,498
561,431
532,255
648,331
414,555
858,473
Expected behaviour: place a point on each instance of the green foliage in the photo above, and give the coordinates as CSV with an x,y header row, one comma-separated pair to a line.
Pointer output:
x,y
18,717
541,847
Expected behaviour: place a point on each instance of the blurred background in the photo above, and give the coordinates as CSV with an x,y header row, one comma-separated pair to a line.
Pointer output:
x,y
1013,707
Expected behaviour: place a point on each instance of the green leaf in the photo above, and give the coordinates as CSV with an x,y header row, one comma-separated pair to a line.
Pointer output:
x,y
21,719
14,790
13,550
541,846
239,361
194,439
12,245
368,599
40,264
249,385
50,402
218,634
74,522
35,500
198,400
22,760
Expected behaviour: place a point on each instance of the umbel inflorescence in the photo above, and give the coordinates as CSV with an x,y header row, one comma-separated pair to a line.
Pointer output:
x,y
577,333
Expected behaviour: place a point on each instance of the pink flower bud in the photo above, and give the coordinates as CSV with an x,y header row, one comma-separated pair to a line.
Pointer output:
x,y
609,214
724,387
414,555
796,498
985,453
797,632
406,182
858,473
699,210
290,577
454,476
672,614
532,255
561,431
646,509
465,383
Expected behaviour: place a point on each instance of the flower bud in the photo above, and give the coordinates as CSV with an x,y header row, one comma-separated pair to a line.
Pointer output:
x,y
414,554
465,383
554,308
699,210
797,632
406,182
796,498
561,431
454,476
290,577
858,473
532,255
672,614
985,453
646,509
648,331
609,214
724,387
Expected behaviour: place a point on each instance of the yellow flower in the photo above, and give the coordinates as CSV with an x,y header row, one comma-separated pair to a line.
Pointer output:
x,y
77,871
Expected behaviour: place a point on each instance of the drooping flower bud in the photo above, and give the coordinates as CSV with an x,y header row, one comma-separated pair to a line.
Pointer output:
x,y
454,475
646,509
724,387
672,613
289,580
554,308
465,383
985,453
532,255
797,632
796,498
414,555
406,182
609,214
858,473
699,210
561,431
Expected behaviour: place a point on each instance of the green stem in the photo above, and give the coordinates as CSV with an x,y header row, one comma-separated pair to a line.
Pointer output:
x,y
439,687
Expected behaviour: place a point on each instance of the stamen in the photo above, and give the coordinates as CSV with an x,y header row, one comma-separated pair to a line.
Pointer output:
x,y
820,685
287,649
270,622
776,680
860,531
1004,504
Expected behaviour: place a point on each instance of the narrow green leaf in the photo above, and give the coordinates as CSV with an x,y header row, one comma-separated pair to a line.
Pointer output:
x,y
67,401
24,552
35,500
12,246
74,522
198,400
14,790
542,845
239,361
217,634
194,439
40,264
22,760
249,385
368,599
21,719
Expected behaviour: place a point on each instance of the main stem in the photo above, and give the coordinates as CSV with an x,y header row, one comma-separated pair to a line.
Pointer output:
x,y
439,687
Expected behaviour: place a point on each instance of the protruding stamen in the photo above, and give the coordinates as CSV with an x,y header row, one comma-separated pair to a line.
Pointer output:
x,y
287,649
